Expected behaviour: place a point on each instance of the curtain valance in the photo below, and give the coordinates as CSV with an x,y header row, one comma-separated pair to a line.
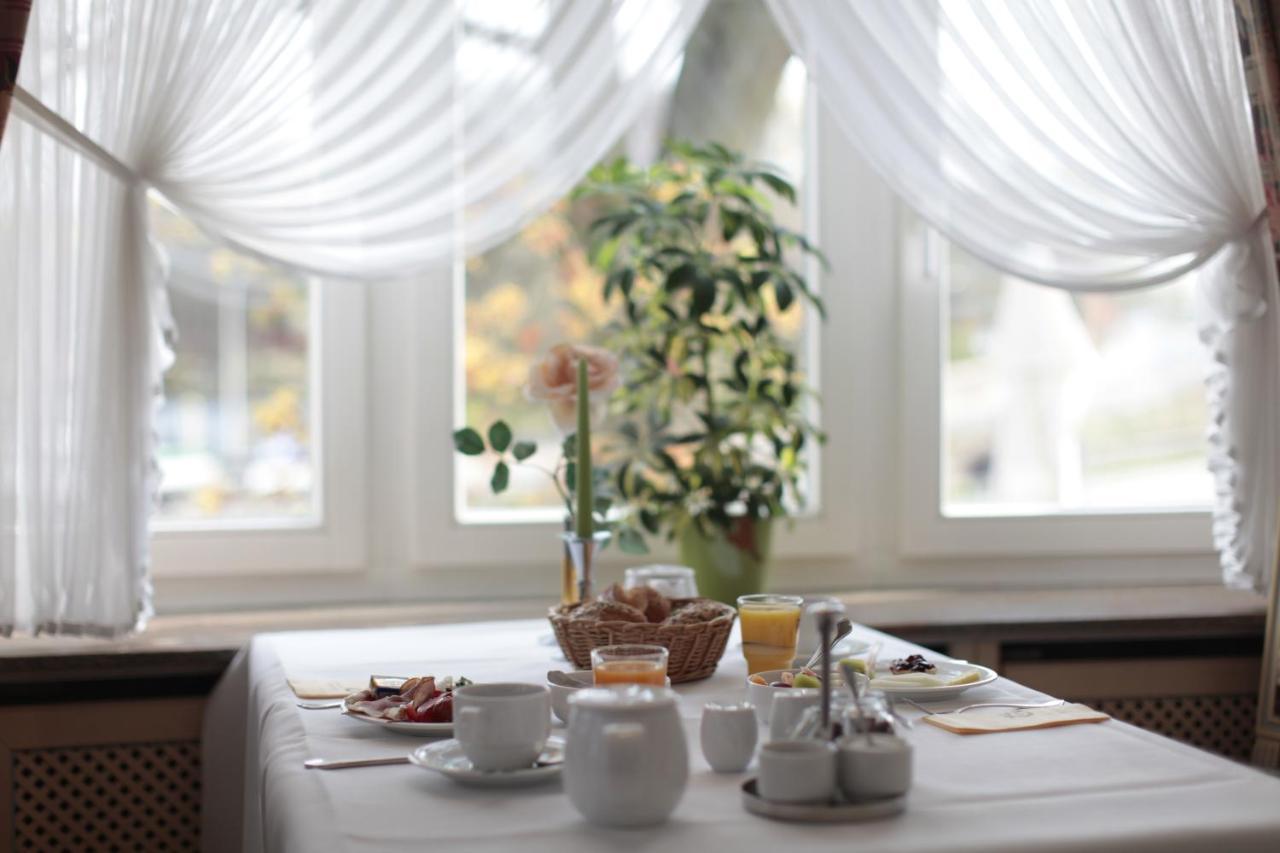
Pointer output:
x,y
367,140
1089,145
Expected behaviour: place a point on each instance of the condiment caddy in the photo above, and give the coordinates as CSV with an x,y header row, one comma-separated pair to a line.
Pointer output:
x,y
821,768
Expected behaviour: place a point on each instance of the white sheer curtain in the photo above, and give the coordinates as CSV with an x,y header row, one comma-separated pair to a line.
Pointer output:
x,y
1088,145
369,140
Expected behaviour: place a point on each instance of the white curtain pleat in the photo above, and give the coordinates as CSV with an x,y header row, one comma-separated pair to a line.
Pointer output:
x,y
372,140
369,140
1091,145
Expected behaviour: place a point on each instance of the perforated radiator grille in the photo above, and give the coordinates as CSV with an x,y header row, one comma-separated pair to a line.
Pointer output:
x,y
1221,724
143,796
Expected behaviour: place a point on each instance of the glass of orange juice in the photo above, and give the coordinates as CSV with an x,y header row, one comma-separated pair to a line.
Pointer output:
x,y
769,626
629,664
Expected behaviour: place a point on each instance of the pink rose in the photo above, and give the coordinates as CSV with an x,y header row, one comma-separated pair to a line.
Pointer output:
x,y
554,381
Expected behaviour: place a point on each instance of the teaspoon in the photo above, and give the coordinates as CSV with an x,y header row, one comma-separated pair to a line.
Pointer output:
x,y
843,629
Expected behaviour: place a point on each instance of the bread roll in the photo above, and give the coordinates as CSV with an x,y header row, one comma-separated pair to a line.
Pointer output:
x,y
655,606
696,611
602,610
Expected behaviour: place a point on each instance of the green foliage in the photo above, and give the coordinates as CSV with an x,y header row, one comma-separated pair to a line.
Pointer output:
x,y
499,436
501,476
468,441
507,452
712,398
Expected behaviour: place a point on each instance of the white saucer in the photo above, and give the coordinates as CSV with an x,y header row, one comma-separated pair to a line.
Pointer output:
x,y
446,757
401,726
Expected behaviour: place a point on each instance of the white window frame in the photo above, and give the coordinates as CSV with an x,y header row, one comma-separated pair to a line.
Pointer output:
x,y
334,540
878,522
926,531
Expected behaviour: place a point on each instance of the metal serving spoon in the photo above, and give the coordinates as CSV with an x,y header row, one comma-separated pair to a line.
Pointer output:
x,y
843,629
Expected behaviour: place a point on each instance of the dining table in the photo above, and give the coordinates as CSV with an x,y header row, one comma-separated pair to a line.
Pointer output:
x,y
1102,786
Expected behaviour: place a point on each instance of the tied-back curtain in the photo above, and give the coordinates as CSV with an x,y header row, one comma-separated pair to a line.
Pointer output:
x,y
370,140
1260,47
1089,145
13,26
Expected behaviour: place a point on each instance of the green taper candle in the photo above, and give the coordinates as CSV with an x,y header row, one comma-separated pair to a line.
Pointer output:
x,y
584,453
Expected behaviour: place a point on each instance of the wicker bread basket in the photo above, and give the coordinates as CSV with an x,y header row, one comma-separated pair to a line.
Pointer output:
x,y
693,648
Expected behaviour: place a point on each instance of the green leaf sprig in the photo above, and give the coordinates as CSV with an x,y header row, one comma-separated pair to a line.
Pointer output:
x,y
508,452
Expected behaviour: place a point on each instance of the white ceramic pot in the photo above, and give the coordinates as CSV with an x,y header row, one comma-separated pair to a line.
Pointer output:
x,y
728,735
626,762
797,771
874,767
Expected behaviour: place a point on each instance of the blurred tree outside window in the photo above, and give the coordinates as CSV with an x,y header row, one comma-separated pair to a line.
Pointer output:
x,y
1054,402
235,436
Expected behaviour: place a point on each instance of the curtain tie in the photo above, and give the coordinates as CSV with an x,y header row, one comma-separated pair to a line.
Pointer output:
x,y
29,108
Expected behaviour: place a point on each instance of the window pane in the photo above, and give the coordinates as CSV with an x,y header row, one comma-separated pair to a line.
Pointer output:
x,y
1061,402
235,433
739,85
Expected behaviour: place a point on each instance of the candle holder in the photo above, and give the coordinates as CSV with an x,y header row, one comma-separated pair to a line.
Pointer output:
x,y
582,553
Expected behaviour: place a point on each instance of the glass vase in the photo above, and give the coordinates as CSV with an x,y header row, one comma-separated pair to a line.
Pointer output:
x,y
581,555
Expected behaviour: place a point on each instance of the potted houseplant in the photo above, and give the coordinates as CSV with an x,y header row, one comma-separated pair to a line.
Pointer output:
x,y
713,401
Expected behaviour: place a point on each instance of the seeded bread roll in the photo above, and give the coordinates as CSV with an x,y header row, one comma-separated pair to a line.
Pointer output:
x,y
608,611
697,611
655,606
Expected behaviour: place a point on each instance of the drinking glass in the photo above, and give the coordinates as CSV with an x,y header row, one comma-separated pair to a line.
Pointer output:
x,y
671,581
629,664
769,625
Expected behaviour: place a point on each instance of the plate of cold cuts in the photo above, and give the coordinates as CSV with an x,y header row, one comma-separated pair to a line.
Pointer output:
x,y
420,706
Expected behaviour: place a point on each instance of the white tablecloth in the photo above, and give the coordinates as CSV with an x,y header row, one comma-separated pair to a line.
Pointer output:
x,y
1088,787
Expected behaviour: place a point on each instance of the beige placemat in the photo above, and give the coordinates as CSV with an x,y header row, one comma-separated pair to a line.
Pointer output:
x,y
988,720
324,688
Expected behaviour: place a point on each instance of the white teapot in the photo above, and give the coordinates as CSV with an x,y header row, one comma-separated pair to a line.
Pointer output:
x,y
625,762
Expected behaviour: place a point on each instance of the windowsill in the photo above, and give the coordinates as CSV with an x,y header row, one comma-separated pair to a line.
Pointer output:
x,y
189,651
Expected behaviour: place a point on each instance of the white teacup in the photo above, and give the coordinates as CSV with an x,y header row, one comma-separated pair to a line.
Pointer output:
x,y
788,707
874,767
728,735
797,771
502,726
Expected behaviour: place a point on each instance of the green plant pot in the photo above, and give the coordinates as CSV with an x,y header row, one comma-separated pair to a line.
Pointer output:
x,y
728,566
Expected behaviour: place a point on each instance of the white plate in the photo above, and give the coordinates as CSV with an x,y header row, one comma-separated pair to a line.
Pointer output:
x,y
947,670
833,812
401,726
446,757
